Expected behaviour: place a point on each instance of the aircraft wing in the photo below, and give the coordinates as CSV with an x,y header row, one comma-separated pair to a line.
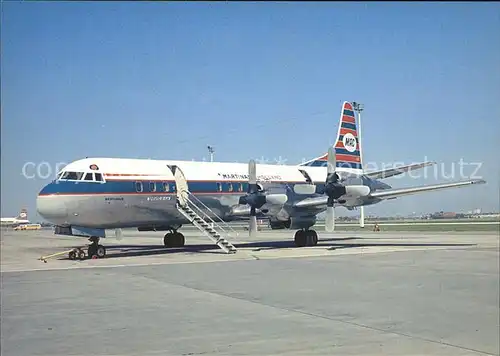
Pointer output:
x,y
394,193
390,172
390,193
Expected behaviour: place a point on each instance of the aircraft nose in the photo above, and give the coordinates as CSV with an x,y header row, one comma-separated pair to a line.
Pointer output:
x,y
51,207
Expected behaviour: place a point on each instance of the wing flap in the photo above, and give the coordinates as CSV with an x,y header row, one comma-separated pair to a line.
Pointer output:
x,y
394,193
390,172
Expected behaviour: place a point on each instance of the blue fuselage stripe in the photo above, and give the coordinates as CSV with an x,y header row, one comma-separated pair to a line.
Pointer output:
x,y
130,187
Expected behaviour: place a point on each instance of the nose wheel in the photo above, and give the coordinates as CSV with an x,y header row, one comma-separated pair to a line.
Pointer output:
x,y
95,250
76,254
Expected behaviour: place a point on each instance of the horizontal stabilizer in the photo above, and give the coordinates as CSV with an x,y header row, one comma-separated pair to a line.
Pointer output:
x,y
390,172
394,193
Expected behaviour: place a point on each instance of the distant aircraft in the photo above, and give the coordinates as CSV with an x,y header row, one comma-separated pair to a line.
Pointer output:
x,y
94,194
22,218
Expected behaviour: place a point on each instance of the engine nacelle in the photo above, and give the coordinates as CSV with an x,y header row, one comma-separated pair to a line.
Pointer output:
x,y
293,223
302,222
154,228
277,225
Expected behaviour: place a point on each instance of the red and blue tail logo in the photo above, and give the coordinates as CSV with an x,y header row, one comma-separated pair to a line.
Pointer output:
x,y
347,148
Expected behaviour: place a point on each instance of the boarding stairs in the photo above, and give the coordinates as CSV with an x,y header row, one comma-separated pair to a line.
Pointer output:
x,y
193,209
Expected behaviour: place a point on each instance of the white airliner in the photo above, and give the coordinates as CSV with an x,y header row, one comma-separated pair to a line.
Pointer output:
x,y
22,218
94,194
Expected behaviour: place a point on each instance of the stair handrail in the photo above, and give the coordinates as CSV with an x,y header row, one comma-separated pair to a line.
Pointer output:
x,y
208,216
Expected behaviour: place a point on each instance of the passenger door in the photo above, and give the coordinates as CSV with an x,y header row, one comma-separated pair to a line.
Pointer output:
x,y
181,184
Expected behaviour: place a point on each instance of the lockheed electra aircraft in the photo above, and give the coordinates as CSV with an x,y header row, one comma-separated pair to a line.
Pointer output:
x,y
94,194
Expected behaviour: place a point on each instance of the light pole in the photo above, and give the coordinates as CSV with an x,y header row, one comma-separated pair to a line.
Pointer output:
x,y
211,152
359,108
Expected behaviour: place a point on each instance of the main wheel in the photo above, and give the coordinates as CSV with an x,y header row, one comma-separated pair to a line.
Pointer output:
x,y
175,239
312,238
300,238
81,255
167,239
72,255
178,240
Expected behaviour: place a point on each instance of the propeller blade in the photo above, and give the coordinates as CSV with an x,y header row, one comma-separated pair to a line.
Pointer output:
x,y
252,189
252,172
118,234
332,162
252,226
330,219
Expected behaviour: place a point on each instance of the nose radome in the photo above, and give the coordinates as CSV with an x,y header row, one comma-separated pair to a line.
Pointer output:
x,y
51,208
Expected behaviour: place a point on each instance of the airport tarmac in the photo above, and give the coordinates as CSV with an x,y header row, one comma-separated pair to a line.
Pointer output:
x,y
370,293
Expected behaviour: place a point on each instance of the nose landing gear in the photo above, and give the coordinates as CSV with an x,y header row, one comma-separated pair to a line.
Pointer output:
x,y
95,250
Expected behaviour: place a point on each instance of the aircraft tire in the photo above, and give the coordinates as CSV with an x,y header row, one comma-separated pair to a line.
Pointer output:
x,y
167,239
175,239
100,251
300,238
92,250
312,238
179,240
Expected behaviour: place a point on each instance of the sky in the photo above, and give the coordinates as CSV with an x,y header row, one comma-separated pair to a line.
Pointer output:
x,y
255,80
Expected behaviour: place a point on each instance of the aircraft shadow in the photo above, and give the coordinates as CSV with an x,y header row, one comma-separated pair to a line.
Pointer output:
x,y
117,251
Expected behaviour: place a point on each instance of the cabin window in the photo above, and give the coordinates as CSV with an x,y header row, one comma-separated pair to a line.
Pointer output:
x,y
219,187
89,176
138,186
230,188
240,187
173,187
152,186
165,187
98,177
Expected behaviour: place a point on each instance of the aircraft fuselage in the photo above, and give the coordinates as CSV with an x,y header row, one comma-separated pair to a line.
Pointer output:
x,y
142,193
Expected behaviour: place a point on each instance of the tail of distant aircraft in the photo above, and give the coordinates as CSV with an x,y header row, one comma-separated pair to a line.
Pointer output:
x,y
23,215
347,145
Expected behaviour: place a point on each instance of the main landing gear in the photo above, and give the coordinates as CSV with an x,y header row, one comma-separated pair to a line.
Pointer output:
x,y
306,237
174,239
99,251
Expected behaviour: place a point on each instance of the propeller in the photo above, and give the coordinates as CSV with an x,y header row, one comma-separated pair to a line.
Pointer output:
x,y
118,234
254,197
334,190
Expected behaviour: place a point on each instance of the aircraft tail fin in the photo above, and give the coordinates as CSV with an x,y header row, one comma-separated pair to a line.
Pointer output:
x,y
347,145
23,215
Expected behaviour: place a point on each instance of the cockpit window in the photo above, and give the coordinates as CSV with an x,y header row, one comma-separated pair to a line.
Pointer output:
x,y
84,176
72,175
